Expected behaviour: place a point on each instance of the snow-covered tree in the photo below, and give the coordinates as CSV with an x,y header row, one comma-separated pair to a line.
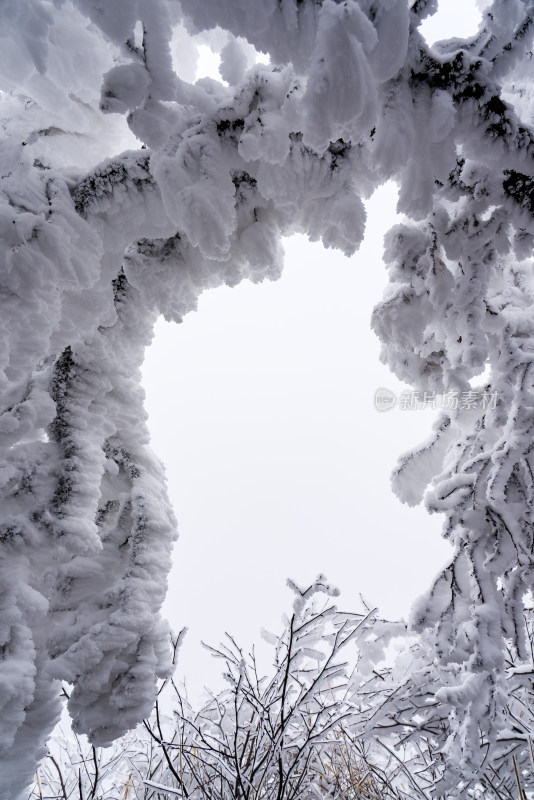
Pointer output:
x,y
286,734
330,714
97,241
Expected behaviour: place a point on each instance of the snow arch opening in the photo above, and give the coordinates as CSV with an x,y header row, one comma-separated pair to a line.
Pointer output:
x,y
261,408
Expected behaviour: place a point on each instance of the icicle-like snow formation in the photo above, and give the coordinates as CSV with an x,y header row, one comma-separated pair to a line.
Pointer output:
x,y
106,225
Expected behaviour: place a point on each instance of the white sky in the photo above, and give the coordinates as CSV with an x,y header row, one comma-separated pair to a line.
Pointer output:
x,y
261,407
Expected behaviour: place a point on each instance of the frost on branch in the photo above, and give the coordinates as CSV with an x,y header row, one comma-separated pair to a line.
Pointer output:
x,y
101,233
294,732
460,301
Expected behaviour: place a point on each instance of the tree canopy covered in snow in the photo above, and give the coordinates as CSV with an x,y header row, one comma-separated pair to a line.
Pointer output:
x,y
98,240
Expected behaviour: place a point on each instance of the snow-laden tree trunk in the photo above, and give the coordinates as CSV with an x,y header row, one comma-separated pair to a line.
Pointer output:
x,y
94,250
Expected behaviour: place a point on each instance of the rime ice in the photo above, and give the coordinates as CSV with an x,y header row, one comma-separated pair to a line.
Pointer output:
x,y
127,190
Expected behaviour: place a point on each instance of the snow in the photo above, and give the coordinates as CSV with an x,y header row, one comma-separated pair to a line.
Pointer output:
x,y
217,175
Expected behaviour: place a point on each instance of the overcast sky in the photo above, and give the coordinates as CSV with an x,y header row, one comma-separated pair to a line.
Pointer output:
x,y
261,407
